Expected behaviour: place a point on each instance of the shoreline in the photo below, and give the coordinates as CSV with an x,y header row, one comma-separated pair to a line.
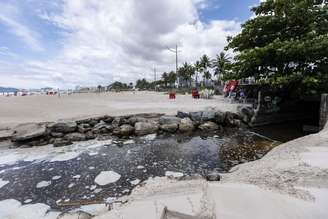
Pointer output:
x,y
291,181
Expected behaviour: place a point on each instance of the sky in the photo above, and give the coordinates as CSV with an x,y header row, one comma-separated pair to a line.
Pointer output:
x,y
68,43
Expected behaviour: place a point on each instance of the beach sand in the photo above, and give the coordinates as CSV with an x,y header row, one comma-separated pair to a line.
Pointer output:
x,y
16,110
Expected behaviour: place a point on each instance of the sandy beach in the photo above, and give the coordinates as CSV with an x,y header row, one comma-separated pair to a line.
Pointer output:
x,y
16,110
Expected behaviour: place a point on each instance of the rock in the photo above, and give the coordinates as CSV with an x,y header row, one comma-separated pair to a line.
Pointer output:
x,y
63,127
172,128
102,128
89,135
209,126
145,128
196,117
186,125
182,115
134,119
75,137
28,131
84,127
125,130
108,119
57,134
165,120
74,215
246,113
60,142
231,119
6,134
117,122
220,117
208,116
213,176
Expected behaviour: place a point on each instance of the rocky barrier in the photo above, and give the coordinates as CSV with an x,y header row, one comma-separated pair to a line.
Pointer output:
x,y
65,133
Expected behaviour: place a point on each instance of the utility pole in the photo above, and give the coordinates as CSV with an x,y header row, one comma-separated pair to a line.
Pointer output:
x,y
155,74
176,51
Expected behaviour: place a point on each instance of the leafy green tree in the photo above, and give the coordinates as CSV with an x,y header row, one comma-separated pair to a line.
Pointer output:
x,y
286,43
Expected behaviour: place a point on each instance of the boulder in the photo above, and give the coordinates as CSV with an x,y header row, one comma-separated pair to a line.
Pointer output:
x,y
208,116
196,117
102,128
172,128
231,119
84,127
63,127
246,113
220,117
134,119
186,125
166,120
209,126
89,135
213,176
117,122
125,130
182,115
145,128
108,119
60,142
29,131
75,137
6,134
56,134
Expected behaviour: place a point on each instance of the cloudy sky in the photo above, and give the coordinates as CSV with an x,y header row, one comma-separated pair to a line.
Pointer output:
x,y
64,43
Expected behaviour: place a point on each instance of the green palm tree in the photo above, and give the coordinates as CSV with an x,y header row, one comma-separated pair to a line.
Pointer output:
x,y
198,69
186,72
220,64
205,63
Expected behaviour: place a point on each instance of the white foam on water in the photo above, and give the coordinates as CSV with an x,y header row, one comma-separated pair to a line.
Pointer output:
x,y
91,168
129,142
107,177
3,183
173,174
150,137
140,167
71,185
13,209
135,182
56,177
43,184
27,201
77,176
50,153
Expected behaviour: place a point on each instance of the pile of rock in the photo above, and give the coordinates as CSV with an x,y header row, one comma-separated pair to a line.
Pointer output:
x,y
65,133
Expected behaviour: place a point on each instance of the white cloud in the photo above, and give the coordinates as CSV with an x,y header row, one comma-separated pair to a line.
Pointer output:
x,y
109,40
7,17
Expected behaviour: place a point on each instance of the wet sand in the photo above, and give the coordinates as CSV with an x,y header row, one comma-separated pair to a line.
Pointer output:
x,y
16,110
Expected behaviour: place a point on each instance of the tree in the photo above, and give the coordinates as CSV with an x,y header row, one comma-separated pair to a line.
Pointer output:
x,y
142,84
205,63
186,72
172,77
221,65
286,43
165,78
198,70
